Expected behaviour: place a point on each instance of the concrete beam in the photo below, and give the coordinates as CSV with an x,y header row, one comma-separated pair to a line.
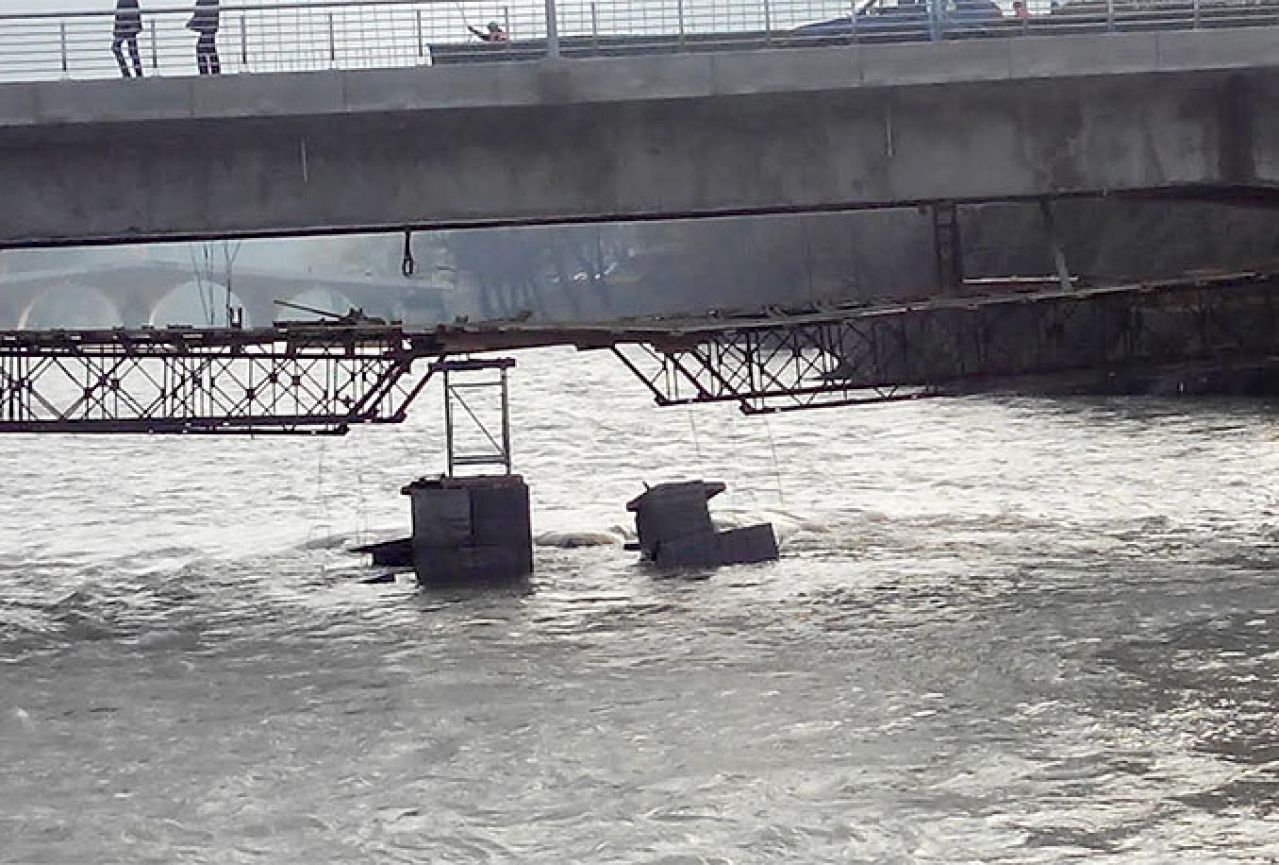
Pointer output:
x,y
639,137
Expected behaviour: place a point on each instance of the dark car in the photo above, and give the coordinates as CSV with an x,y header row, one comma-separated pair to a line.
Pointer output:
x,y
903,22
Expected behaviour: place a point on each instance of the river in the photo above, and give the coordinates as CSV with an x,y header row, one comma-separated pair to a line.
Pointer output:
x,y
1004,629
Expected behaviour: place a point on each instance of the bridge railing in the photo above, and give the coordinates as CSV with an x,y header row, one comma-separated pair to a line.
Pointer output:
x,y
264,37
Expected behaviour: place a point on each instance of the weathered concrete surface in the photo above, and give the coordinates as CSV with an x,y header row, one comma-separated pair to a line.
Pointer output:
x,y
644,137
471,529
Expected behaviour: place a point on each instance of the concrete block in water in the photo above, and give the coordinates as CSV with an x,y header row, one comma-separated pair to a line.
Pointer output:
x,y
673,510
396,553
475,529
690,551
441,516
675,530
749,544
469,565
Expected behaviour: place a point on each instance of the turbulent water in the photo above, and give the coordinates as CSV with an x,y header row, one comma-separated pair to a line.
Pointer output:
x,y
1003,630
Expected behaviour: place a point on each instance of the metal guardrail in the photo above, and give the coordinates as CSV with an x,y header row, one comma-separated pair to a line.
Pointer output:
x,y
263,37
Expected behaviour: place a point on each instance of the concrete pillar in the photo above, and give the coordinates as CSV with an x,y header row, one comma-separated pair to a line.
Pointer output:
x,y
674,525
472,529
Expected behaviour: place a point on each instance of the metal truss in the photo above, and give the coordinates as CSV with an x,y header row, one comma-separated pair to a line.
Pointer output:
x,y
868,355
779,368
325,378
314,379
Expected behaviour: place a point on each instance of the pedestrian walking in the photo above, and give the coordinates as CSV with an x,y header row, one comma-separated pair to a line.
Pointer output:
x,y
128,24
204,21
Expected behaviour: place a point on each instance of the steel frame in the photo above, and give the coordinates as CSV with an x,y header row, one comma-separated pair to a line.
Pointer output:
x,y
909,351
325,378
308,380
492,451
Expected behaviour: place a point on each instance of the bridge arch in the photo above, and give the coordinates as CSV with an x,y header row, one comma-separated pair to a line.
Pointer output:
x,y
201,303
70,306
10,313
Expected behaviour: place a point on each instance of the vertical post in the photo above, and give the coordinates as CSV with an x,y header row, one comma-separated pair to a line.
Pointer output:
x,y
679,13
155,50
768,23
552,30
506,423
1110,15
448,420
506,25
948,247
421,44
852,24
1196,19
595,27
333,45
244,43
62,30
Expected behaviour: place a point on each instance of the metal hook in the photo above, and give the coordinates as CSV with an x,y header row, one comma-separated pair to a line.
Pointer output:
x,y
408,266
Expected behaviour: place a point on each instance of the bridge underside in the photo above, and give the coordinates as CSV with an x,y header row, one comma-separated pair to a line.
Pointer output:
x,y
758,132
326,378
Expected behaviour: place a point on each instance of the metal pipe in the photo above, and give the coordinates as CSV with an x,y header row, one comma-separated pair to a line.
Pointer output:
x,y
595,27
62,29
506,423
679,12
1110,15
768,23
333,46
448,420
155,48
244,43
421,44
506,25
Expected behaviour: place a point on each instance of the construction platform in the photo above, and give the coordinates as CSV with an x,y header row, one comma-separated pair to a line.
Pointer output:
x,y
327,377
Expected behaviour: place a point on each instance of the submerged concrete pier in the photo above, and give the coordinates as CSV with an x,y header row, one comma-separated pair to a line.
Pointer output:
x,y
675,529
472,529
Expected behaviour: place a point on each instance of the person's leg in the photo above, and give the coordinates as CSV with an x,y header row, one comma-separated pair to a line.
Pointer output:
x,y
135,56
119,56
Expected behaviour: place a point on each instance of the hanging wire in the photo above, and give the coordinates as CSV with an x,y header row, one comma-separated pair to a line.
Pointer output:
x,y
697,445
777,470
230,252
361,503
206,304
320,517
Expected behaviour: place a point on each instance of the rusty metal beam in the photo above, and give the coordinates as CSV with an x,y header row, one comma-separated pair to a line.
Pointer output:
x,y
309,378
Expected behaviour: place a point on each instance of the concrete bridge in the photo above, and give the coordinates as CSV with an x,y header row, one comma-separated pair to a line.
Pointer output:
x,y
652,137
134,293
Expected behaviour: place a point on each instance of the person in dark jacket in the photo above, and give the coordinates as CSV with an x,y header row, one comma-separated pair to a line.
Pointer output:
x,y
128,24
204,21
494,33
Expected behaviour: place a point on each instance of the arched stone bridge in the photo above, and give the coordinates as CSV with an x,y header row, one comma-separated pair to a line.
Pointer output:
x,y
136,291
